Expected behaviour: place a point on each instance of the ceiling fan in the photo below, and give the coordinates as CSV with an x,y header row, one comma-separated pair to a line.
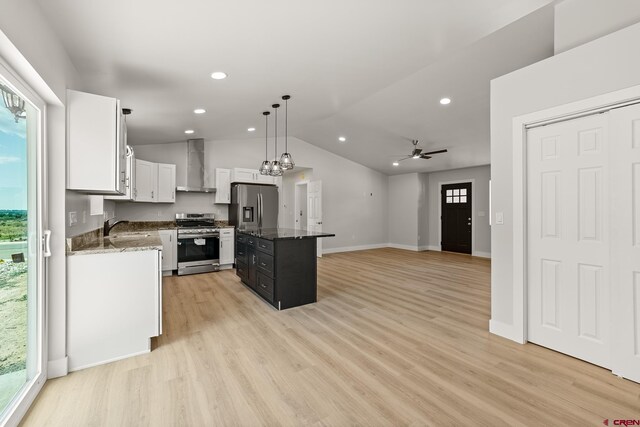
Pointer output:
x,y
418,154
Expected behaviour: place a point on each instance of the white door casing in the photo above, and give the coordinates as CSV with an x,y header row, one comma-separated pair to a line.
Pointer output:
x,y
568,238
625,248
314,210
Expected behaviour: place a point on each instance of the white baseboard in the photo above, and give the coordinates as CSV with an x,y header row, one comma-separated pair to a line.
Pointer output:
x,y
482,254
114,359
353,248
58,368
405,247
433,248
506,331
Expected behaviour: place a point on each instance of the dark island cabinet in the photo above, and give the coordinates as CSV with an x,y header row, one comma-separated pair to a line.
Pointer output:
x,y
282,272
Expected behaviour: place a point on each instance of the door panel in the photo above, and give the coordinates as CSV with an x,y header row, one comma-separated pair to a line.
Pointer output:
x,y
269,207
456,217
568,241
625,247
314,211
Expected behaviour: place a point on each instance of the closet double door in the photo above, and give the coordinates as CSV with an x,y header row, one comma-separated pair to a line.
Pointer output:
x,y
583,238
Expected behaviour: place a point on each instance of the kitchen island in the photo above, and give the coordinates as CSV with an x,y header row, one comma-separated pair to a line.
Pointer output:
x,y
279,264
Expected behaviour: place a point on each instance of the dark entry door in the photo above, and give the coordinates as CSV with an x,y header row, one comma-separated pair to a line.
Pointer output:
x,y
456,217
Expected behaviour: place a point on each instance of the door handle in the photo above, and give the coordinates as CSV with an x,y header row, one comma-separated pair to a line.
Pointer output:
x,y
47,243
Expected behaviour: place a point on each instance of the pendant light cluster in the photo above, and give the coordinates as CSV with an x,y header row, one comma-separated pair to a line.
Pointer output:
x,y
277,167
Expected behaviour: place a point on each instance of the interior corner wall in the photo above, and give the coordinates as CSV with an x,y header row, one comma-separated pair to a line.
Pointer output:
x,y
601,66
480,176
581,21
31,47
354,197
404,201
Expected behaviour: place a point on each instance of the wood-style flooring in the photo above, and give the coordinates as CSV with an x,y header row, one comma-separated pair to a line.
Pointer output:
x,y
396,338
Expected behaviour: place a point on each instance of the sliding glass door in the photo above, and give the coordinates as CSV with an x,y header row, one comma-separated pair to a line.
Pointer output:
x,y
22,247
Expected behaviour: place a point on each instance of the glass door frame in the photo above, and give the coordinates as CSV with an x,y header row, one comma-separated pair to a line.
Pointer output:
x,y
29,391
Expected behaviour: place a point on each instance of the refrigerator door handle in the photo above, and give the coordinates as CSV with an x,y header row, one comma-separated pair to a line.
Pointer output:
x,y
259,207
261,210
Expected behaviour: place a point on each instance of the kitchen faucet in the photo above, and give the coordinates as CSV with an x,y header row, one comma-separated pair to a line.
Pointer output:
x,y
107,227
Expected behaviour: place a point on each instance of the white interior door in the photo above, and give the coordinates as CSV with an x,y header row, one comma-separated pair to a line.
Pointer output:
x,y
568,238
314,210
625,248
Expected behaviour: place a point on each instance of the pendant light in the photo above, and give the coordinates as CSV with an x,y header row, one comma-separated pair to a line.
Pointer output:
x,y
276,169
265,168
286,161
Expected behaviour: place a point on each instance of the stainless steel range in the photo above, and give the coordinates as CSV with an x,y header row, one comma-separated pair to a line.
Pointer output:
x,y
198,243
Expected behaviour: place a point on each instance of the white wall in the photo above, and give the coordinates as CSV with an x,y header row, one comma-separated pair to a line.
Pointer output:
x,y
601,66
354,196
287,213
480,175
30,46
581,21
404,200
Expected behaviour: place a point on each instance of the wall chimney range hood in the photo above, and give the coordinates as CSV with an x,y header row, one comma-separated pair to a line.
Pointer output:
x,y
195,168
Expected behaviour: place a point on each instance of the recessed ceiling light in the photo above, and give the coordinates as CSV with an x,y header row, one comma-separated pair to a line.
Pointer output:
x,y
189,131
342,139
251,129
445,101
218,75
396,164
199,111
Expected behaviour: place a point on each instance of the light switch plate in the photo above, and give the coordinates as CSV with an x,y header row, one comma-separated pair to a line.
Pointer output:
x,y
73,218
499,218
481,213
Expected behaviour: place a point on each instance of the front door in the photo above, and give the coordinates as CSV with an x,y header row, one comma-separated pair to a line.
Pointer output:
x,y
456,217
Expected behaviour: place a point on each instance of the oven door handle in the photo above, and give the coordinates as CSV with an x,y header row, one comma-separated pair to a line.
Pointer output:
x,y
197,236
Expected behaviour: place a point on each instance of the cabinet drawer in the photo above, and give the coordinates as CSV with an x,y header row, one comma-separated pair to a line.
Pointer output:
x,y
265,263
242,271
265,287
241,253
241,238
265,246
251,241
226,231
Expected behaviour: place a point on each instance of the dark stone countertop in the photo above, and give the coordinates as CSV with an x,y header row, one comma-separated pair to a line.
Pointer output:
x,y
283,233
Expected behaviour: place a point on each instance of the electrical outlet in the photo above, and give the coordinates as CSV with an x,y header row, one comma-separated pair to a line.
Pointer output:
x,y
499,218
73,218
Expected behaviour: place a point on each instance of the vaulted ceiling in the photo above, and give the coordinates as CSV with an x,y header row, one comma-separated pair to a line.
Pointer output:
x,y
372,71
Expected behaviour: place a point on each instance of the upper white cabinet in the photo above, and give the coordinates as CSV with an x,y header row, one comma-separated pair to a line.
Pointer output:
x,y
146,181
96,141
250,176
154,182
223,185
130,177
166,183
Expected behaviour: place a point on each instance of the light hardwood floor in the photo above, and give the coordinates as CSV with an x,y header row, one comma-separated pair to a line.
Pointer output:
x,y
396,338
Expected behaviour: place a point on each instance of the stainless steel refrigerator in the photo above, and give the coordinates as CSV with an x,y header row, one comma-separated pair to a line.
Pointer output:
x,y
253,206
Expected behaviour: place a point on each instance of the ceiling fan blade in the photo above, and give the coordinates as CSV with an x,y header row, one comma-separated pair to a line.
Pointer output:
x,y
404,158
424,156
435,152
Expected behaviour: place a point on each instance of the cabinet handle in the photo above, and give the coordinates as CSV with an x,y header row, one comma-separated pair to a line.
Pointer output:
x,y
263,264
263,286
254,260
173,195
152,194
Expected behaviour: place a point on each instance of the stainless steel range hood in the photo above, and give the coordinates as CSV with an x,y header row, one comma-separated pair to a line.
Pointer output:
x,y
195,168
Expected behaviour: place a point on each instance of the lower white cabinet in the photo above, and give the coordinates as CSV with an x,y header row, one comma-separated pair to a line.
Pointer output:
x,y
169,250
114,306
226,246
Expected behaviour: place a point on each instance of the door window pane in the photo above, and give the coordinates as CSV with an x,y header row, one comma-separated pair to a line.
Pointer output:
x,y
19,249
449,199
456,192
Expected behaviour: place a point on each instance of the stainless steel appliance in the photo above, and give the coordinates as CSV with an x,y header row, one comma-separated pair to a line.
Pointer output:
x,y
198,243
253,206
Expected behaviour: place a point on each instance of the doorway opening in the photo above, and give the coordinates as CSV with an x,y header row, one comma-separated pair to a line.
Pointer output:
x,y
300,209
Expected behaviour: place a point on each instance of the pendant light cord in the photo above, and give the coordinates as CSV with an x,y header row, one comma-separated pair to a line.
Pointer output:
x,y
266,136
286,125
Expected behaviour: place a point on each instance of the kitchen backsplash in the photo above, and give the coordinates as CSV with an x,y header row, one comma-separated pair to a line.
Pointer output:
x,y
185,202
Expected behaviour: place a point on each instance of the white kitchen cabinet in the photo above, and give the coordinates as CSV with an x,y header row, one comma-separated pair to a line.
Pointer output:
x,y
250,176
96,141
114,306
130,177
166,183
169,250
145,189
227,254
223,186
